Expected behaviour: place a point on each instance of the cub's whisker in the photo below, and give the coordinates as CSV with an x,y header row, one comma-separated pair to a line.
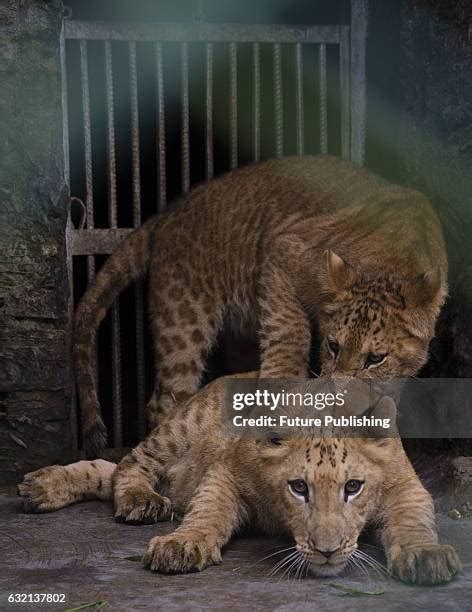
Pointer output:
x,y
284,562
367,561
277,552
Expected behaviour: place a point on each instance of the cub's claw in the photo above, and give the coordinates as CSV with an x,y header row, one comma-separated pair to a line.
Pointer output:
x,y
180,553
44,490
137,506
430,564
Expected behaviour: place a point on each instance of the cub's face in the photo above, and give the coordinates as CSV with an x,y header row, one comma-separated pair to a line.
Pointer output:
x,y
373,327
327,490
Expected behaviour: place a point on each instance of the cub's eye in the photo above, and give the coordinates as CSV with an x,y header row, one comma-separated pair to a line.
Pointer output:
x,y
333,346
374,359
299,488
352,487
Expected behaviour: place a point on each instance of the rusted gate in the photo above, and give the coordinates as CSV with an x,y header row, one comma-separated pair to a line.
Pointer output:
x,y
287,73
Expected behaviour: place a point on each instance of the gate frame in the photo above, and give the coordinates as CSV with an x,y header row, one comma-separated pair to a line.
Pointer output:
x,y
89,242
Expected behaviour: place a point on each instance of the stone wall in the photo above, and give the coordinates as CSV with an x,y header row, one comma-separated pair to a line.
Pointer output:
x,y
34,373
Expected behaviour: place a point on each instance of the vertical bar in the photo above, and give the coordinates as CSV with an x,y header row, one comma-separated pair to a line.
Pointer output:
x,y
87,148
136,173
162,187
136,184
185,119
111,147
323,100
88,175
209,111
344,66
299,97
233,101
278,101
70,273
257,101
70,267
113,217
359,22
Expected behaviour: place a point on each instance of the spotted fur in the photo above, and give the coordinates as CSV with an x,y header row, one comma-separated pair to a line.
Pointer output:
x,y
273,249
219,484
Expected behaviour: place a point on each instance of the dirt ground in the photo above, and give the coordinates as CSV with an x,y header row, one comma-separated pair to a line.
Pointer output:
x,y
81,552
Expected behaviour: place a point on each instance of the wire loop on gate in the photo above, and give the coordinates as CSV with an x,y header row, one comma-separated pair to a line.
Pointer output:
x,y
82,213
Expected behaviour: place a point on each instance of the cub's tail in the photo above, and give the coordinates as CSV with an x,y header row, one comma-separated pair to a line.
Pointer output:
x,y
126,264
57,486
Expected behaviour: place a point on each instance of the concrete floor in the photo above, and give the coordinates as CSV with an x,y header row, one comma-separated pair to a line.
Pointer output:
x,y
81,552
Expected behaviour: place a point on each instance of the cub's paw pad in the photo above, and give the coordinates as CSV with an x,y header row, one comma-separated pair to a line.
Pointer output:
x,y
429,564
44,490
137,506
180,554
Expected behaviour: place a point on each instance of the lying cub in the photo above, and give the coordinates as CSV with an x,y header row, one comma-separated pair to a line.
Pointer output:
x,y
320,491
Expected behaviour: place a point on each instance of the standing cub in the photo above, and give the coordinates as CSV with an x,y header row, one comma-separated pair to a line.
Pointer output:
x,y
273,248
322,492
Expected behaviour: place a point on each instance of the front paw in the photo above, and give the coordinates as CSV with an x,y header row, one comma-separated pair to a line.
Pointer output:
x,y
136,506
429,564
180,553
45,490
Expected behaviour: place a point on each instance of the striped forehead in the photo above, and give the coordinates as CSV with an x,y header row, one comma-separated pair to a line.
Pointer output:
x,y
326,452
378,294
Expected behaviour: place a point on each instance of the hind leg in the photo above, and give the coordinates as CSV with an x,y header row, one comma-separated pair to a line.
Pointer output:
x,y
57,486
185,317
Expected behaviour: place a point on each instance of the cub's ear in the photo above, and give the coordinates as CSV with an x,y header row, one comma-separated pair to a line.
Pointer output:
x,y
425,288
340,274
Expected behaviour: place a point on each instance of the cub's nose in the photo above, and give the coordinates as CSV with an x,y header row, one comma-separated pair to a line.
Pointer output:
x,y
327,553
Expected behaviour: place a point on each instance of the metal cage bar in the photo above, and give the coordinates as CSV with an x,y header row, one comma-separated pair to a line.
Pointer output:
x,y
161,127
89,205
233,104
344,67
257,102
136,188
299,97
185,119
135,154
69,227
209,111
359,21
113,220
201,32
111,145
87,148
278,101
323,100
